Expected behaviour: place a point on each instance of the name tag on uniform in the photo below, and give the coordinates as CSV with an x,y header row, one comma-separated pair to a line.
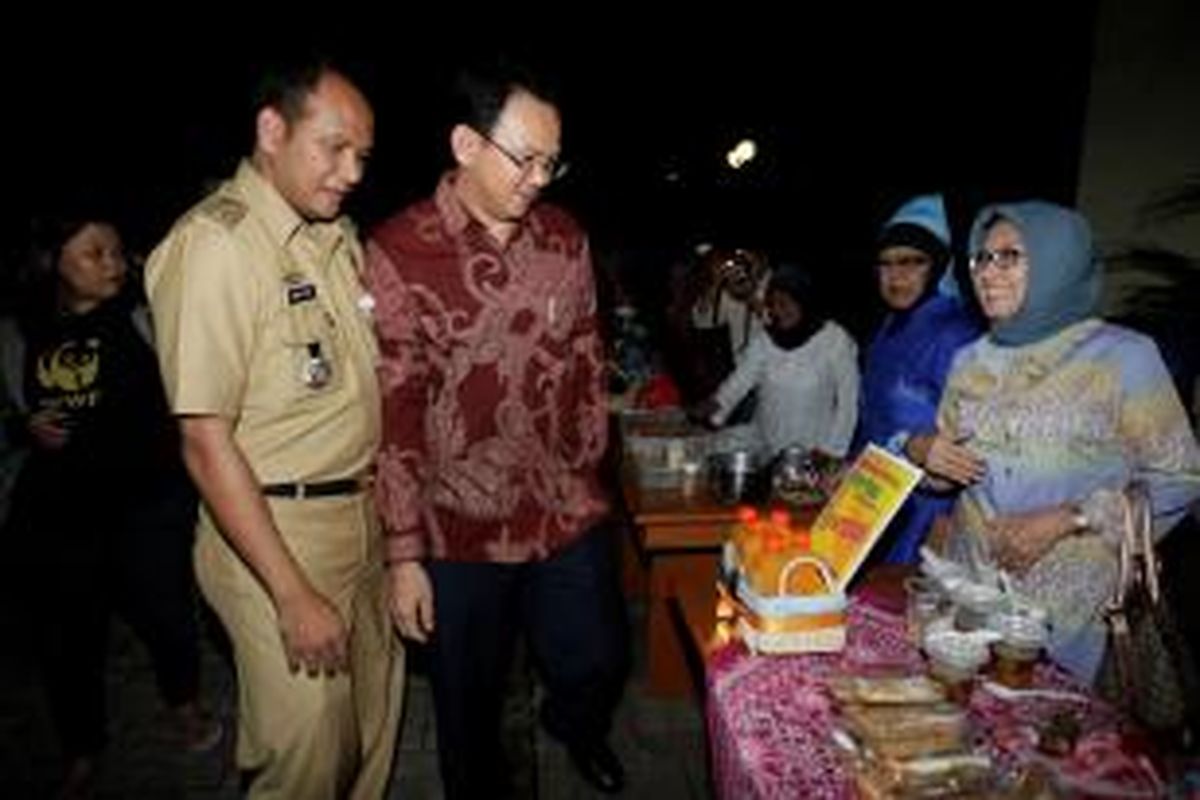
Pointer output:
x,y
300,293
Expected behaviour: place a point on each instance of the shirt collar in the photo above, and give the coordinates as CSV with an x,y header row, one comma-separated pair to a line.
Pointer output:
x,y
280,218
458,220
454,215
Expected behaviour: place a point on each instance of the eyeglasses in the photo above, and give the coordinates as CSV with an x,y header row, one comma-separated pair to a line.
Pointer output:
x,y
1006,259
907,264
550,166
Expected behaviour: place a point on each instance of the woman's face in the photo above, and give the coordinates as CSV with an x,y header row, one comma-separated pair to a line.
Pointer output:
x,y
91,266
783,311
1000,272
903,274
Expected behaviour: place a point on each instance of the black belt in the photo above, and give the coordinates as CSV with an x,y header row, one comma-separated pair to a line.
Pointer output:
x,y
299,491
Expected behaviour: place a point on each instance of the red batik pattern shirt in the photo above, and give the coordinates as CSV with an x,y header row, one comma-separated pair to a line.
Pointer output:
x,y
494,416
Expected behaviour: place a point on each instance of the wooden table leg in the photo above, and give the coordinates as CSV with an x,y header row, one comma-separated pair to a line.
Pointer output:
x,y
634,574
667,662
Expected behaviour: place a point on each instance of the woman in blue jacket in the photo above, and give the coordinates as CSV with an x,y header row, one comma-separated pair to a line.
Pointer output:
x,y
909,358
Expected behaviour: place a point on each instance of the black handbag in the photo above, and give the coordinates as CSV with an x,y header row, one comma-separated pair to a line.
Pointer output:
x,y
1148,670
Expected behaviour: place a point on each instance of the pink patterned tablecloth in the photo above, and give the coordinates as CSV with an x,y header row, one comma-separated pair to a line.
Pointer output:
x,y
769,719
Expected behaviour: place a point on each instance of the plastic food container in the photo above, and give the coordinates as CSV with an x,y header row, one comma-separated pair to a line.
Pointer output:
x,y
1023,639
954,659
975,603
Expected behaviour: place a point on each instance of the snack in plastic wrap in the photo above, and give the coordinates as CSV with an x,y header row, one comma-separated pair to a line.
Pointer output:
x,y
886,689
904,732
960,775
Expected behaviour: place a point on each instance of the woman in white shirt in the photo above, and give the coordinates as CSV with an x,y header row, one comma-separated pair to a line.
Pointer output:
x,y
805,368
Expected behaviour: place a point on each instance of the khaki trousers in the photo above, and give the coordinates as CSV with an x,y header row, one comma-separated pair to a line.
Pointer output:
x,y
300,736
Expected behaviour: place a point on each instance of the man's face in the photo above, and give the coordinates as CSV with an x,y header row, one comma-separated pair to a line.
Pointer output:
x,y
508,167
316,161
737,272
903,275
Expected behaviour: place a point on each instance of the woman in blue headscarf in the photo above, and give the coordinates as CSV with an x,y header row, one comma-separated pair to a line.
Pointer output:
x,y
1048,418
908,360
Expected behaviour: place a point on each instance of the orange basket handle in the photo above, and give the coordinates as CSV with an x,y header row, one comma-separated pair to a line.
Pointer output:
x,y
785,574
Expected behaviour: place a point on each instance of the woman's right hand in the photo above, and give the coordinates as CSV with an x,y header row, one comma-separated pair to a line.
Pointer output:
x,y
48,429
945,457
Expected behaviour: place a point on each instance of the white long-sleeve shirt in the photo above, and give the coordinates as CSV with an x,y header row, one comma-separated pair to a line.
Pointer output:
x,y
807,397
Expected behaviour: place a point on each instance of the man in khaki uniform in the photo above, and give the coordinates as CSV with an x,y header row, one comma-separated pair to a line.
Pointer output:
x,y
267,354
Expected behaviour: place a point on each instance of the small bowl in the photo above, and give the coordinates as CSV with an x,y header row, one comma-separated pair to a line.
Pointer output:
x,y
734,476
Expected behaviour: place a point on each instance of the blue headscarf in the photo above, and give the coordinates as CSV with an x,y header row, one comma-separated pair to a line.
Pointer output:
x,y
927,212
1064,276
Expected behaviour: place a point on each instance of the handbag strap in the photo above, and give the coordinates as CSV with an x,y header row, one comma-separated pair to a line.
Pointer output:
x,y
1126,572
1140,526
1117,610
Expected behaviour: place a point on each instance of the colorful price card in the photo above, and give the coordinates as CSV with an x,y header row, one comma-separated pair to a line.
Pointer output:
x,y
869,495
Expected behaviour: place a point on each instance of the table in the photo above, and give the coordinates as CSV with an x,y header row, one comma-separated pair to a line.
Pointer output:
x,y
679,535
769,717
678,540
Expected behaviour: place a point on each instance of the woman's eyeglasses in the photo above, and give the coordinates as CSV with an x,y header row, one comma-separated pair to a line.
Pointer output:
x,y
1004,259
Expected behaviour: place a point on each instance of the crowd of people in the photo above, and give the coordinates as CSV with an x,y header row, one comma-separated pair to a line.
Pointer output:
x,y
400,438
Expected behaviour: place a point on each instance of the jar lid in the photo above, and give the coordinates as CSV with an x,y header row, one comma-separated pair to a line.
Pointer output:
x,y
977,596
1019,630
958,650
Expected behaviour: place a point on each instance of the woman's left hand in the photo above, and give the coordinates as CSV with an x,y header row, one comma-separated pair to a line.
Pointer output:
x,y
1019,540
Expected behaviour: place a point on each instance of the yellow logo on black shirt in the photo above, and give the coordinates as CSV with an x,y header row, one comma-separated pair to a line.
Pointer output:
x,y
70,368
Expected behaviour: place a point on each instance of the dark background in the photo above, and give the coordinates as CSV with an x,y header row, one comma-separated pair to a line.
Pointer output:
x,y
853,110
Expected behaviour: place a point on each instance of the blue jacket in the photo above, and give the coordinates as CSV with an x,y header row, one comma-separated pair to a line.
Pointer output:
x,y
905,370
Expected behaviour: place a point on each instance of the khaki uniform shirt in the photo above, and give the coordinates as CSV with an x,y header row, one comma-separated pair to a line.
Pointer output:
x,y
260,318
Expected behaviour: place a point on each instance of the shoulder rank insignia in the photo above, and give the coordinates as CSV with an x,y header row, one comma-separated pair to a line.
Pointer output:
x,y
226,210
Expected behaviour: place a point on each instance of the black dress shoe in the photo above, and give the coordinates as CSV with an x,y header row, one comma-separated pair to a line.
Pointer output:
x,y
599,766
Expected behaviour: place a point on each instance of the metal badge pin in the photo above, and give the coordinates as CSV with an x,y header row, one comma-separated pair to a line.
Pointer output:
x,y
317,369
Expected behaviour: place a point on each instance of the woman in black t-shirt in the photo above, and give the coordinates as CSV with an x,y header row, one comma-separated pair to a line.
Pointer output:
x,y
102,510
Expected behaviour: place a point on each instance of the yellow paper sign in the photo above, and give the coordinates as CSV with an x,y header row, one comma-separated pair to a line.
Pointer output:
x,y
869,495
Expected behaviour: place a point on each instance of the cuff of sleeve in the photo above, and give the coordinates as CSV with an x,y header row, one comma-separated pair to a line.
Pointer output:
x,y
405,546
1103,513
897,442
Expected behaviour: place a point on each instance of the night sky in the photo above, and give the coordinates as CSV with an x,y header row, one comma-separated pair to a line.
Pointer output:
x,y
853,110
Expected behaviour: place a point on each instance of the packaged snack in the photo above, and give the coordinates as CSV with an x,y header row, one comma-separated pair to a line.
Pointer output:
x,y
905,732
886,689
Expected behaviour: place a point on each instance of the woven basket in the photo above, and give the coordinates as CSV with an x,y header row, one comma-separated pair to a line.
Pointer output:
x,y
786,623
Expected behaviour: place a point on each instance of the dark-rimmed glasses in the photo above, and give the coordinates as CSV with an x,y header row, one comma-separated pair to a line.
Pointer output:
x,y
551,166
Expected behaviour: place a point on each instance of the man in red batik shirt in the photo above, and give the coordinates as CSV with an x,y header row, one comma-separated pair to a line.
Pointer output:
x,y
494,427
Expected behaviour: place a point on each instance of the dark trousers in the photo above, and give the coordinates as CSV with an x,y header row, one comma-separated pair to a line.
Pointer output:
x,y
87,556
569,609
